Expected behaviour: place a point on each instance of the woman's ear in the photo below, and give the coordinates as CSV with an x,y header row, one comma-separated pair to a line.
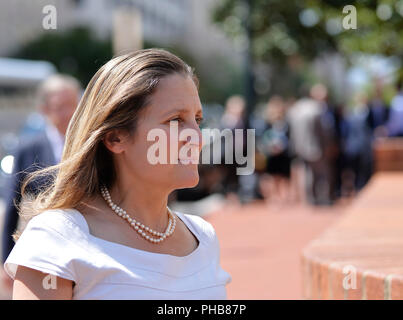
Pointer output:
x,y
115,141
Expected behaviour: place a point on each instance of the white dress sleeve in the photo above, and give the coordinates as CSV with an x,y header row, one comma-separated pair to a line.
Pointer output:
x,y
44,247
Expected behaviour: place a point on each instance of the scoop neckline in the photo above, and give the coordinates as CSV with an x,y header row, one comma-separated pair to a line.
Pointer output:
x,y
145,252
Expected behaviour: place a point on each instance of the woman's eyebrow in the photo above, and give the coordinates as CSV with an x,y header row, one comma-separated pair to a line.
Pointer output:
x,y
180,110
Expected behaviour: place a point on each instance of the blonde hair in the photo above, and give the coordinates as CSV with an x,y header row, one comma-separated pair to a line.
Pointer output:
x,y
113,99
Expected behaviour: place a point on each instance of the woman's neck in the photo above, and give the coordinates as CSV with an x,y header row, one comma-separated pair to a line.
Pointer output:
x,y
146,205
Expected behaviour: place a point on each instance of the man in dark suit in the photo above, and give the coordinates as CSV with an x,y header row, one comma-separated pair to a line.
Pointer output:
x,y
378,112
58,99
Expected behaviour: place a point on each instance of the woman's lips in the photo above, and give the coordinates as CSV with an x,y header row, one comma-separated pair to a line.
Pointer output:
x,y
192,158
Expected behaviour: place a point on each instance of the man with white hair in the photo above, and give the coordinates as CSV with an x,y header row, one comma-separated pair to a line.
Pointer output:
x,y
58,97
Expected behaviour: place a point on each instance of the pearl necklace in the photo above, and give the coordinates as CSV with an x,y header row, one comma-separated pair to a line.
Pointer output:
x,y
139,227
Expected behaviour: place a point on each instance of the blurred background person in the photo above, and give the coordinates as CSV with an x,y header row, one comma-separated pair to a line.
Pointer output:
x,y
395,122
304,143
327,131
274,144
357,147
58,97
378,111
315,142
232,118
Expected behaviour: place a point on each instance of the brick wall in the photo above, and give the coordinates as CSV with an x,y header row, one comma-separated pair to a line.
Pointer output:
x,y
388,154
361,256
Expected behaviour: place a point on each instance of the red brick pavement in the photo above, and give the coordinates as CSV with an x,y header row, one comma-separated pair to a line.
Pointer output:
x,y
261,247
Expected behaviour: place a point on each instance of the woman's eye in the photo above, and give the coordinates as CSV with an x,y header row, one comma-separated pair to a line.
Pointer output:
x,y
198,120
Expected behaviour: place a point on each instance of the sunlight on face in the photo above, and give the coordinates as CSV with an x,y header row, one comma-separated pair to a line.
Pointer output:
x,y
174,103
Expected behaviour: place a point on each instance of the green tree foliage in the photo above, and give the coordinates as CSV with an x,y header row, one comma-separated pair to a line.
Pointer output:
x,y
282,30
309,27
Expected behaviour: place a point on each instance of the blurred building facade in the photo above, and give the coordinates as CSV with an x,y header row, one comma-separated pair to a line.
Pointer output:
x,y
184,22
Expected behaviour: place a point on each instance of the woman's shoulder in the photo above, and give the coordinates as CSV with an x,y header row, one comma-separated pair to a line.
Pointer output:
x,y
199,225
50,242
64,221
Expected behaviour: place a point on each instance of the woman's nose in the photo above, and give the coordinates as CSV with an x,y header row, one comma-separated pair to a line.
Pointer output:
x,y
195,138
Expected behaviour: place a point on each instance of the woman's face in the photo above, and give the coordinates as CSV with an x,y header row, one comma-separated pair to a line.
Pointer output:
x,y
174,104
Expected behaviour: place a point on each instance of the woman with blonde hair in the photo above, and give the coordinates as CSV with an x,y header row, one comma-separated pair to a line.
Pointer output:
x,y
101,229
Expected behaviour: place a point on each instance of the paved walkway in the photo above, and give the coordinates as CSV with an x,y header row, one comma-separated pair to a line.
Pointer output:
x,y
261,247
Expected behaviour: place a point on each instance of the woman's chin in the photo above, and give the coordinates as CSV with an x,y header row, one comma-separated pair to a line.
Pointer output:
x,y
188,178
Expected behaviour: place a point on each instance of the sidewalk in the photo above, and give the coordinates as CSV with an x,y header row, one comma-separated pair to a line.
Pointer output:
x,y
261,247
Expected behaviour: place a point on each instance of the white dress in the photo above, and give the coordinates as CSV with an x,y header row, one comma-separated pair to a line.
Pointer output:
x,y
58,242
